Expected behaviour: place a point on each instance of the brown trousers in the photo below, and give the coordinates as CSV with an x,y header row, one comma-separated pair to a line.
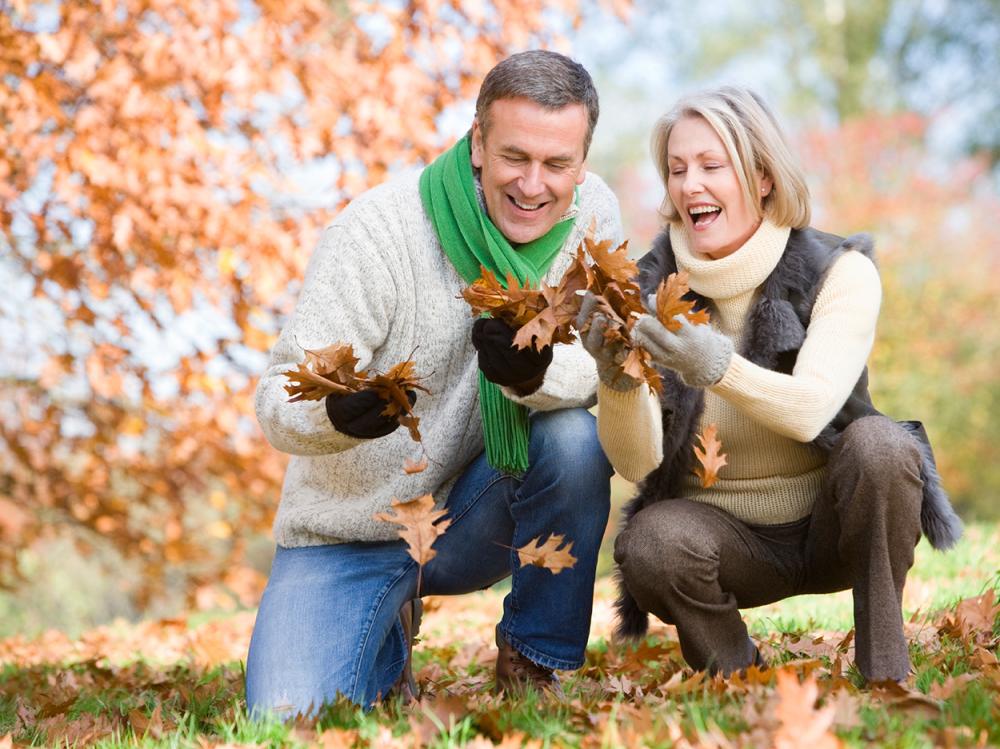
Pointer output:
x,y
695,566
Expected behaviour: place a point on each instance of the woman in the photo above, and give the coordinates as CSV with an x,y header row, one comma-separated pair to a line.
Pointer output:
x,y
821,492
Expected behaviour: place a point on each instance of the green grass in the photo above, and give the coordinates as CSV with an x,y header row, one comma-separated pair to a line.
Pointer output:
x,y
621,697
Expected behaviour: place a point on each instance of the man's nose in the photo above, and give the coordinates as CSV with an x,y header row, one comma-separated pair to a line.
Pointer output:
x,y
531,181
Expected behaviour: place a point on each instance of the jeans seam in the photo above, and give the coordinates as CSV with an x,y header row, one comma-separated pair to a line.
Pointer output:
x,y
367,627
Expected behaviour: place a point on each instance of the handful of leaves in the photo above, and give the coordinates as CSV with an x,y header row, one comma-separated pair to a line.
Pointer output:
x,y
542,316
547,315
332,370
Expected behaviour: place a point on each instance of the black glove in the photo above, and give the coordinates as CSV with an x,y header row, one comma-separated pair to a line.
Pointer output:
x,y
500,361
360,414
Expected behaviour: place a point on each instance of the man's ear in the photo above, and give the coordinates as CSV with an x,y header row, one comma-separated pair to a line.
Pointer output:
x,y
581,175
477,144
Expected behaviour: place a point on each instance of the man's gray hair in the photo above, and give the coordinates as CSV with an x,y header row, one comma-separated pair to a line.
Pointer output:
x,y
547,78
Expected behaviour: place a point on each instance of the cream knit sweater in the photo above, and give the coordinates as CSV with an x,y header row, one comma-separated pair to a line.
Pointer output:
x,y
765,419
380,281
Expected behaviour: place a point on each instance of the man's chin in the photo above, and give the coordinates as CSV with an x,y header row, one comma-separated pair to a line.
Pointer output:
x,y
518,232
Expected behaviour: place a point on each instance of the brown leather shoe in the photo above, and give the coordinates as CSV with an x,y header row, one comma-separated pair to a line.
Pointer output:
x,y
517,673
410,614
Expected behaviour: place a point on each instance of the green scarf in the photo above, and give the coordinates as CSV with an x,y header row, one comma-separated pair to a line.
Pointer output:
x,y
470,240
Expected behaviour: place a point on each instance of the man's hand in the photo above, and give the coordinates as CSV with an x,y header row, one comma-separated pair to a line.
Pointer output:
x,y
698,353
608,356
360,414
520,369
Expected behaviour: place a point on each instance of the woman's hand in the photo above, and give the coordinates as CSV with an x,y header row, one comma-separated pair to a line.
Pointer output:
x,y
608,356
698,353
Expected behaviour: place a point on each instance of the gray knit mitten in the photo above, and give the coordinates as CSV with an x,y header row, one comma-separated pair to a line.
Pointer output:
x,y
607,356
698,353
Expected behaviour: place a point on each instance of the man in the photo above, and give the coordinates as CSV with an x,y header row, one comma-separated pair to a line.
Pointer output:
x,y
340,607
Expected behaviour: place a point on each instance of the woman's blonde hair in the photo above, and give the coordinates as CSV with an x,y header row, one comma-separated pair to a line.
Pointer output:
x,y
754,143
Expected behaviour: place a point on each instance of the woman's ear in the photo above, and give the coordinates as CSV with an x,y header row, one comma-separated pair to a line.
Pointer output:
x,y
766,184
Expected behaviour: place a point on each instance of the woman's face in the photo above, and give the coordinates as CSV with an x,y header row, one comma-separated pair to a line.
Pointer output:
x,y
704,188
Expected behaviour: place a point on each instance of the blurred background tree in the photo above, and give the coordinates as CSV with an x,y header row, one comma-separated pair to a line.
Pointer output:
x,y
165,169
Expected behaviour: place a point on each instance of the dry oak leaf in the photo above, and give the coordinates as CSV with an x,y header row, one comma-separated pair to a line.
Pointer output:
x,y
331,370
391,387
548,555
554,323
711,458
421,523
801,723
507,301
325,371
670,302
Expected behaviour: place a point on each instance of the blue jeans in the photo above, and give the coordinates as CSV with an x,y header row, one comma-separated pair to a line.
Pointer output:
x,y
328,622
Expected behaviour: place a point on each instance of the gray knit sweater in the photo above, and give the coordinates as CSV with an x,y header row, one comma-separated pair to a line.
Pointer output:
x,y
380,281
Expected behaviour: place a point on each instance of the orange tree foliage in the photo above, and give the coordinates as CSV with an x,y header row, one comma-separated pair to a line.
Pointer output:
x,y
147,159
938,251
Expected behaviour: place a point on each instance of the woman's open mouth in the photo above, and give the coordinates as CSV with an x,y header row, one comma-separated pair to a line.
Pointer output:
x,y
703,216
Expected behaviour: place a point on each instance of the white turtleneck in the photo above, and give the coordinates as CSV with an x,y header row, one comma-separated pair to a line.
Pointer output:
x,y
765,419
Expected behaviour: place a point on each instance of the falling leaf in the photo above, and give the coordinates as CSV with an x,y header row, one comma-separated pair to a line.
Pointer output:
x,y
421,525
670,303
710,457
554,555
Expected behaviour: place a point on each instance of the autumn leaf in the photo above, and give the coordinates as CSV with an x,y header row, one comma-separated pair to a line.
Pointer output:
x,y
325,371
670,302
508,301
421,525
710,457
331,370
391,387
802,724
554,555
543,316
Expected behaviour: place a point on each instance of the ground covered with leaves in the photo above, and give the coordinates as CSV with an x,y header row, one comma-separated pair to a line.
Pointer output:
x,y
178,683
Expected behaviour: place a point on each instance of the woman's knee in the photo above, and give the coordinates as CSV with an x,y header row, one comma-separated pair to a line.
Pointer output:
x,y
877,443
667,541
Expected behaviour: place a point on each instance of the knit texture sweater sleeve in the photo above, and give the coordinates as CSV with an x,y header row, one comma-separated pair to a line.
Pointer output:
x,y
838,341
630,428
347,296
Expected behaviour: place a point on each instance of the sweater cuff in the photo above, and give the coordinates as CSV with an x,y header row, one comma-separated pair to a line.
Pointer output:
x,y
630,428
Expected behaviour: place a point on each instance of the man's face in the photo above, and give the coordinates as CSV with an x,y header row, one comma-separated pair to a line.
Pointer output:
x,y
530,160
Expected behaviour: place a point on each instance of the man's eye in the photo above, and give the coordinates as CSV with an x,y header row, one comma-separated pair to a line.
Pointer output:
x,y
514,159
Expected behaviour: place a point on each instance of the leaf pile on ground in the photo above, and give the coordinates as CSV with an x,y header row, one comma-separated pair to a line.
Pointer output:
x,y
174,683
